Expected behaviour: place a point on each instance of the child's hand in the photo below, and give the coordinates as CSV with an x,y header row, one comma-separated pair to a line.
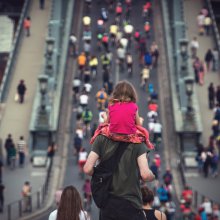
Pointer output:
x,y
104,116
141,120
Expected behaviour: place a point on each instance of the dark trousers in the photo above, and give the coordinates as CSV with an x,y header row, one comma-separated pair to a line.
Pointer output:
x,y
41,2
21,98
21,158
1,203
120,209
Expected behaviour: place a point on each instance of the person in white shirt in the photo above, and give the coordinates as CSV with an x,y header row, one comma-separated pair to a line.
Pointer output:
x,y
157,130
83,99
152,115
88,87
207,205
194,45
70,205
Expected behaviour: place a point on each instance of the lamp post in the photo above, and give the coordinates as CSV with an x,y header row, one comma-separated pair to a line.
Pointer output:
x,y
189,115
49,52
42,115
183,46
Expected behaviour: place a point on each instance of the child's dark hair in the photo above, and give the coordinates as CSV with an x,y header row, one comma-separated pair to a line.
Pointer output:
x,y
124,92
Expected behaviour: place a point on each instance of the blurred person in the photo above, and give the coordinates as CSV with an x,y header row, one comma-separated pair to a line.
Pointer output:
x,y
12,155
215,64
21,90
201,72
207,24
41,4
154,50
1,168
86,75
208,59
22,150
93,64
194,46
81,62
207,205
87,87
170,210
2,188
51,150
187,194
145,74
214,164
27,25
218,95
101,97
76,88
70,206
167,177
211,95
73,44
163,194
200,23
196,67
26,194
148,199
7,145
82,159
87,194
83,99
87,118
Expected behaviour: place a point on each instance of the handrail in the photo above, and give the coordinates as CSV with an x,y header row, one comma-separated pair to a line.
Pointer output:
x,y
13,53
215,28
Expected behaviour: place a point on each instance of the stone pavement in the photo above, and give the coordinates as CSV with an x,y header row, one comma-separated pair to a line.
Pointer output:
x,y
16,117
205,186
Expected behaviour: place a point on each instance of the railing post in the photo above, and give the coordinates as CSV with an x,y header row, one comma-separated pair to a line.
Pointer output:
x,y
9,212
38,199
20,208
196,199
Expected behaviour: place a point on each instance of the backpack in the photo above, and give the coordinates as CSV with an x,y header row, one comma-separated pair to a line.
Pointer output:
x,y
105,39
148,59
103,175
101,96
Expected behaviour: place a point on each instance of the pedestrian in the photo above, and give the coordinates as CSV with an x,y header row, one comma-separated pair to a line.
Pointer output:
x,y
22,150
76,88
208,59
194,46
207,205
73,45
87,47
147,28
200,23
125,200
12,155
81,63
113,29
163,194
1,168
218,94
207,24
41,4
105,77
26,194
105,41
27,25
148,59
2,188
148,199
154,50
207,164
196,67
167,177
215,64
201,73
7,145
211,95
70,206
93,64
121,53
51,150
21,90
86,75
105,61
83,99
214,164
145,74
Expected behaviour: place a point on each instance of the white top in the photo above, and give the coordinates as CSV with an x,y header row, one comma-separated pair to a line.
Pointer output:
x,y
101,119
83,99
76,82
157,128
83,156
151,126
194,44
207,206
121,53
88,87
150,114
80,133
200,19
73,39
82,216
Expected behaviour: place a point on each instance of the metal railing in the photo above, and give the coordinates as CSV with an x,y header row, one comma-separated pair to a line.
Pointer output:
x,y
214,25
12,56
31,203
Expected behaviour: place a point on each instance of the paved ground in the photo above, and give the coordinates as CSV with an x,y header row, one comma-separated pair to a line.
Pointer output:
x,y
16,118
206,186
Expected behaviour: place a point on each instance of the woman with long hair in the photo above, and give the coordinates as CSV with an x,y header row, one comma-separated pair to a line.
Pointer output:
x,y
70,206
148,199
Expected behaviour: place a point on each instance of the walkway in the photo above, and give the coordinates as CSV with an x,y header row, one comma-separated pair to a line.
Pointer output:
x,y
209,186
16,118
